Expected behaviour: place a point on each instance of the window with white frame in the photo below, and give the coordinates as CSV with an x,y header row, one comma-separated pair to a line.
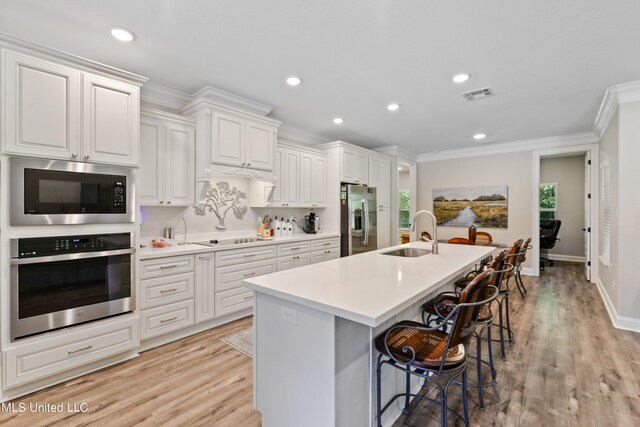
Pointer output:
x,y
405,207
605,214
548,200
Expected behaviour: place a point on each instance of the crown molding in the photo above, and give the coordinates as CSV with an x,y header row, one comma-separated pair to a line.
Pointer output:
x,y
300,135
24,46
161,95
613,96
394,150
512,147
219,96
165,115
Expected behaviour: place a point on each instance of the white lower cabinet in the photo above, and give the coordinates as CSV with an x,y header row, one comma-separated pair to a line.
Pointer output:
x,y
205,290
384,228
168,318
167,300
293,261
61,353
233,300
325,255
230,295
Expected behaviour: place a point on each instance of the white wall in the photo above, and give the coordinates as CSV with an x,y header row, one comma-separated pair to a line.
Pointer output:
x,y
404,181
513,169
568,173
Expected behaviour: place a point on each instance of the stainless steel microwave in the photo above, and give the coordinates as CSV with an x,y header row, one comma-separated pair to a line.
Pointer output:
x,y
58,192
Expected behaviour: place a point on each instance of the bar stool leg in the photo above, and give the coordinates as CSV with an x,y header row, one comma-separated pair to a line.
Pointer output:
x,y
490,342
509,332
465,403
521,282
379,391
504,354
479,370
407,391
443,395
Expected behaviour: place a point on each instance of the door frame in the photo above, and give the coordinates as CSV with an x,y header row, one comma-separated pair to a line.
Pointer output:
x,y
595,218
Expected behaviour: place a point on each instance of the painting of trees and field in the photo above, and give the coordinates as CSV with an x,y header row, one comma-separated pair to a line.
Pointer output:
x,y
485,207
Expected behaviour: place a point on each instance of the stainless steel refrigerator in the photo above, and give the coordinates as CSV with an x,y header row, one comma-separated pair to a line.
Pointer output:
x,y
358,219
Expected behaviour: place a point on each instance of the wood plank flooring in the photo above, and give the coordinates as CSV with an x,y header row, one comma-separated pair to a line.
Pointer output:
x,y
567,367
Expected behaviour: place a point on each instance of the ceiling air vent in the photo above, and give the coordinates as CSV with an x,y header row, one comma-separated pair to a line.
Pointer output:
x,y
478,94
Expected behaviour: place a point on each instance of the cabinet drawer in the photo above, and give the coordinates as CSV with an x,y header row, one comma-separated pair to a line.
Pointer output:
x,y
325,255
241,256
293,261
166,290
233,300
160,267
230,277
293,248
158,321
54,355
321,244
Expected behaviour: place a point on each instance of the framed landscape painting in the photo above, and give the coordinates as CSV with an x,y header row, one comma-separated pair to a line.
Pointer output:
x,y
485,207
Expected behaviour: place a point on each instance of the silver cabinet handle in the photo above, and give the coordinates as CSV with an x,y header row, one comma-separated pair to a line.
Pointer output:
x,y
326,244
248,164
168,202
89,347
248,298
243,163
250,274
283,204
162,267
168,290
296,257
204,257
169,319
74,155
248,255
296,248
327,252
86,156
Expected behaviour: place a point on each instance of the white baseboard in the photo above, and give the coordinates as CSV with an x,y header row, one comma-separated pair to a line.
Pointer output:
x,y
619,322
529,272
570,258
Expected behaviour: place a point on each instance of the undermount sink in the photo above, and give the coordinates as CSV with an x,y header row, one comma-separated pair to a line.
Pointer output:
x,y
408,252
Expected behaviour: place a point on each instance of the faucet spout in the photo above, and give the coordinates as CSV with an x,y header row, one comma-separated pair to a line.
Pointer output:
x,y
434,221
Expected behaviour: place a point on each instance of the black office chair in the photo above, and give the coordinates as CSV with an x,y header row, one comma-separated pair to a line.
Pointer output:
x,y
549,229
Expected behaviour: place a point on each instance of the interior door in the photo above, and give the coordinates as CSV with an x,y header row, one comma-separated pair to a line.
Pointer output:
x,y
587,215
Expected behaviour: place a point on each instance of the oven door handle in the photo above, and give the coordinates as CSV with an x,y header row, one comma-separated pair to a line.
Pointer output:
x,y
70,257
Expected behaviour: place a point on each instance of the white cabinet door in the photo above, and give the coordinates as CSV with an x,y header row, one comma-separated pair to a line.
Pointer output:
x,y
228,137
260,143
180,164
41,108
374,171
293,261
205,291
152,160
362,168
306,179
349,166
291,184
110,121
319,182
384,184
278,173
384,228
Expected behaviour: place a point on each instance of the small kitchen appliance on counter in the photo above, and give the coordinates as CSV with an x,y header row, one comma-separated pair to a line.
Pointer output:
x,y
311,223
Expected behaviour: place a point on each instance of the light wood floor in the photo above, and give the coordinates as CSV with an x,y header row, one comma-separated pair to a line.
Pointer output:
x,y
568,366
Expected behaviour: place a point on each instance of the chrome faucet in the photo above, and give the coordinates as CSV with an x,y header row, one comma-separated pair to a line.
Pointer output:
x,y
434,242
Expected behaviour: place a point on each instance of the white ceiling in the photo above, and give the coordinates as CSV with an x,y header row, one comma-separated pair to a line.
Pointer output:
x,y
549,62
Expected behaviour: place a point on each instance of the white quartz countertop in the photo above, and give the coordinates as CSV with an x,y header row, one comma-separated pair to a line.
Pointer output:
x,y
191,248
370,288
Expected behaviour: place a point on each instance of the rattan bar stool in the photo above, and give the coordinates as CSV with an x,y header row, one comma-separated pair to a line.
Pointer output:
x,y
439,307
432,354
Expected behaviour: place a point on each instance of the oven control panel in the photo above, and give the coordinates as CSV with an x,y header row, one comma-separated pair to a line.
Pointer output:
x,y
46,246
118,195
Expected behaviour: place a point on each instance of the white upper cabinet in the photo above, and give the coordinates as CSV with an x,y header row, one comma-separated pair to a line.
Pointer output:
x,y
319,181
58,112
287,172
306,179
259,145
354,165
41,107
167,166
380,178
238,141
110,121
228,137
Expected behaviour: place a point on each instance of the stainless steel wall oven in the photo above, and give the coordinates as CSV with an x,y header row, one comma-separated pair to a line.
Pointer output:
x,y
66,280
59,192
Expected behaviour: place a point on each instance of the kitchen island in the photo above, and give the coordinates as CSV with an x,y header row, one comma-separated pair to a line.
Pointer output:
x,y
314,328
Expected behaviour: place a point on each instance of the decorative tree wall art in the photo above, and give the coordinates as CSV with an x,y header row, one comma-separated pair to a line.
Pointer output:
x,y
221,199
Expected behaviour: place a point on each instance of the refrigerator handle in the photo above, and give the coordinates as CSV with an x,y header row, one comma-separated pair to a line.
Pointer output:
x,y
365,208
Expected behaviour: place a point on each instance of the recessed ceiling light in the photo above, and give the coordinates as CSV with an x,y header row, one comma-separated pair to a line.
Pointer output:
x,y
122,34
393,106
293,80
479,136
338,120
460,77
399,168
